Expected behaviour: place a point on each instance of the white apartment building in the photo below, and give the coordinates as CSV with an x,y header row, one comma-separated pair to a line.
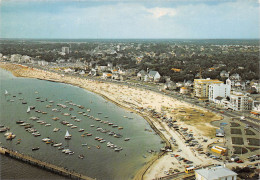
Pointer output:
x,y
240,102
15,57
65,50
218,90
215,173
201,87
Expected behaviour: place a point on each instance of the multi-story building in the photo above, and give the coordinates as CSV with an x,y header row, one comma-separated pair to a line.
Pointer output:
x,y
240,102
201,87
65,50
218,90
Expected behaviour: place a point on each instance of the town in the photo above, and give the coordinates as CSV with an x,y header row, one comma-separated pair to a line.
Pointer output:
x,y
218,76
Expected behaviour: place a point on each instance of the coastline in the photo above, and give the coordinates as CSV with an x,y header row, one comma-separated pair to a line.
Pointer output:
x,y
108,92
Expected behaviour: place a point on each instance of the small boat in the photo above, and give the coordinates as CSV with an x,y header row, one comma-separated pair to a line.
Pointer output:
x,y
60,148
46,139
65,150
98,147
35,148
117,135
81,156
66,114
120,128
114,125
19,122
56,129
57,144
67,135
36,134
92,125
117,149
28,109
24,102
81,130
73,127
71,153
55,118
77,120
6,92
84,144
47,124
24,124
89,134
127,139
10,136
110,124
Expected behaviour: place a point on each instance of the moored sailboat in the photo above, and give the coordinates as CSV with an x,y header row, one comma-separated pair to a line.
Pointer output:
x,y
67,135
28,109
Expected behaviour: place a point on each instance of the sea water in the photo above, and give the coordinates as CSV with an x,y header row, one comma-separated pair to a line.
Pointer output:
x,y
103,163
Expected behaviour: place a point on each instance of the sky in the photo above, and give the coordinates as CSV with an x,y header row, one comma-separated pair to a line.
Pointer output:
x,y
130,19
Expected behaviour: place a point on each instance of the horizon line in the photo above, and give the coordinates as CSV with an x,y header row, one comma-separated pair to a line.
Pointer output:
x,y
129,38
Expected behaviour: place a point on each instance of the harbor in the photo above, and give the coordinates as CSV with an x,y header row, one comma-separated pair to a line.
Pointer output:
x,y
86,117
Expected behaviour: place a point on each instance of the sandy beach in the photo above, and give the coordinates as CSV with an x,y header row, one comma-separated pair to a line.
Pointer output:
x,y
141,101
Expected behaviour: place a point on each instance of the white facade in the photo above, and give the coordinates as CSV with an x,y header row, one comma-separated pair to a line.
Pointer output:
x,y
16,57
218,90
154,75
240,102
43,63
65,50
25,59
215,173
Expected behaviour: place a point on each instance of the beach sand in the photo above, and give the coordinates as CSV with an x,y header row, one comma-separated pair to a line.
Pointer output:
x,y
134,98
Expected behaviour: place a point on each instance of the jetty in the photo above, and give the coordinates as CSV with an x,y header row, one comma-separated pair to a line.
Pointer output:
x,y
44,165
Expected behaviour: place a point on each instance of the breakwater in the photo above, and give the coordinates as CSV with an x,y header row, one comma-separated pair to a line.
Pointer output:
x,y
44,165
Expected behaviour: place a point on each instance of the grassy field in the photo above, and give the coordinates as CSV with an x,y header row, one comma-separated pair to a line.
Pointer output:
x,y
198,118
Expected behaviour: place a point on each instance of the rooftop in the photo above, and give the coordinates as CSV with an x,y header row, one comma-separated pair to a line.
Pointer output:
x,y
215,173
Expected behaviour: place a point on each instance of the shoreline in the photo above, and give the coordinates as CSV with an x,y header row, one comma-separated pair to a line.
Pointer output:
x,y
97,87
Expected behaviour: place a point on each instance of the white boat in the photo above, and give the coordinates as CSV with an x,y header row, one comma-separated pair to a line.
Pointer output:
x,y
28,109
67,135
6,92
56,145
56,129
84,144
46,139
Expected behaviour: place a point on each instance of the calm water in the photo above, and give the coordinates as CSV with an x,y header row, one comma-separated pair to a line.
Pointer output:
x,y
103,163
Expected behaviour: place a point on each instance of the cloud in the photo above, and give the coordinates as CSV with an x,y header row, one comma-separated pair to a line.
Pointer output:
x,y
160,12
130,20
